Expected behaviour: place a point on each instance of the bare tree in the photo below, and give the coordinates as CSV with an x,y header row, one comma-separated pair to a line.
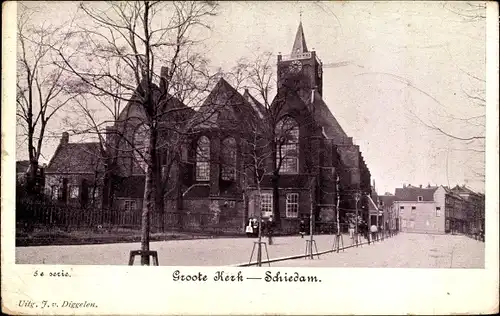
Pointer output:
x,y
42,88
142,36
278,128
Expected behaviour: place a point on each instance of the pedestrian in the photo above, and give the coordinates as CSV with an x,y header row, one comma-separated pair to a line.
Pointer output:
x,y
374,230
351,230
302,228
249,228
270,224
255,226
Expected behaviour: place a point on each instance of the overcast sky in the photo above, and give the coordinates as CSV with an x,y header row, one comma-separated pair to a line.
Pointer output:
x,y
403,63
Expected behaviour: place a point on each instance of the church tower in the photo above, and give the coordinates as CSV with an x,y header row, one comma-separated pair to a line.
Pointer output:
x,y
302,69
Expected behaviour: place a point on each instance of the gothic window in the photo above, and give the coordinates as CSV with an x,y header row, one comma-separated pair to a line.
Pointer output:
x,y
228,152
141,138
203,159
287,147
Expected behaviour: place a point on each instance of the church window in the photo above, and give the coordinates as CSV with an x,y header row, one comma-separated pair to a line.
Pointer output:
x,y
203,159
228,152
141,138
287,147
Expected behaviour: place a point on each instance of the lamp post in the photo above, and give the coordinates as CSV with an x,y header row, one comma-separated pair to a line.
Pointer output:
x,y
357,196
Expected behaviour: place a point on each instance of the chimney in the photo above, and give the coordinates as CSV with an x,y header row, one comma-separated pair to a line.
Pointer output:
x,y
420,186
163,78
404,186
65,138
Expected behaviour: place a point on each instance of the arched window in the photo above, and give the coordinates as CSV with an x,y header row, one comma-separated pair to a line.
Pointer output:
x,y
141,142
203,159
228,155
287,145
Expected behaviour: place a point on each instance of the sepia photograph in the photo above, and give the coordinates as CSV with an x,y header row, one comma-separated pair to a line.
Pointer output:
x,y
294,134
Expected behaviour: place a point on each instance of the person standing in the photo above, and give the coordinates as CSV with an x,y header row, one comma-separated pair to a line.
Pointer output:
x,y
249,228
270,225
351,230
374,230
302,228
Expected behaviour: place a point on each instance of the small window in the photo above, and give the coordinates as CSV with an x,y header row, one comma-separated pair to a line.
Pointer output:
x,y
55,192
438,211
413,209
401,210
266,204
130,205
292,205
73,192
420,198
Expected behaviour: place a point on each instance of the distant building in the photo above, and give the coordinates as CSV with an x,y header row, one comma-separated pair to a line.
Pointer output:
x,y
75,173
419,210
385,203
435,209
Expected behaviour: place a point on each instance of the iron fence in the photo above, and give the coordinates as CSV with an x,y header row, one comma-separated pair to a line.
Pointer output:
x,y
40,215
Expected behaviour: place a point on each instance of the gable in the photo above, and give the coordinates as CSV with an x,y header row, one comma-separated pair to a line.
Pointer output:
x,y
76,158
224,105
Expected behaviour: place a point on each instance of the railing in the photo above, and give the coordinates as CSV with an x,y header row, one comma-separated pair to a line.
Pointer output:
x,y
39,215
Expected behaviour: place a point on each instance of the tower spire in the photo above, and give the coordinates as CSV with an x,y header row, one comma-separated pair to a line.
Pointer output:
x,y
299,45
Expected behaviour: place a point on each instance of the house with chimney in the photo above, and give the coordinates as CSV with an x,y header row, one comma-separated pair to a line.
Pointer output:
x,y
75,174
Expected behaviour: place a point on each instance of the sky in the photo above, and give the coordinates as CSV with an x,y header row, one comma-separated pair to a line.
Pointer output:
x,y
398,65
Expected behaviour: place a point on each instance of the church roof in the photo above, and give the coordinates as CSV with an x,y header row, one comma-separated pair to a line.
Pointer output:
x,y
256,105
299,45
327,120
224,103
133,110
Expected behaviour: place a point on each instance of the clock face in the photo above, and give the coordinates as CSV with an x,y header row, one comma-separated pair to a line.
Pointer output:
x,y
295,66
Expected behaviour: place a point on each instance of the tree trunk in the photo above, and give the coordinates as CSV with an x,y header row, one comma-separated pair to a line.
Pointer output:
x,y
276,200
149,197
31,180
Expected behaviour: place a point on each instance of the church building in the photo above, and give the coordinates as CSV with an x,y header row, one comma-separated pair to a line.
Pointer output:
x,y
317,168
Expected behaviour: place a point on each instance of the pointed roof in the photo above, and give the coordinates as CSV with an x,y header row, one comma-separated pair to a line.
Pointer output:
x,y
257,106
76,158
299,45
224,102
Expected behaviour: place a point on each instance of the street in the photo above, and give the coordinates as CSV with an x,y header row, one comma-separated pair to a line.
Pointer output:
x,y
401,251
404,251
